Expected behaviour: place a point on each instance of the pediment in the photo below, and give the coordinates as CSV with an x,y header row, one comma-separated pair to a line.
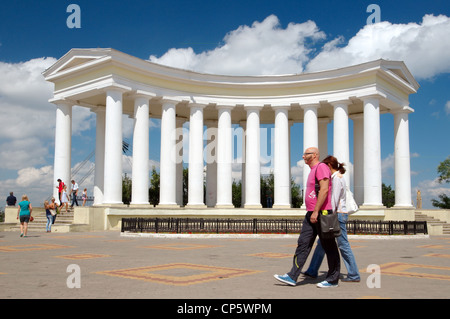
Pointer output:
x,y
75,58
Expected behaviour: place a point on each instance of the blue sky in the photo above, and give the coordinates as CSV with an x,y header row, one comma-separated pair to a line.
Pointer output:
x,y
188,34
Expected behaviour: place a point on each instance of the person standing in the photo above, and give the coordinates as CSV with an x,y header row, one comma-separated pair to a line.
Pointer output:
x,y
74,193
24,214
65,198
317,198
11,200
338,201
60,188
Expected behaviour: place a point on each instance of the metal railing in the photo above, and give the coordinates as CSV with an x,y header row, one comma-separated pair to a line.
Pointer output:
x,y
261,226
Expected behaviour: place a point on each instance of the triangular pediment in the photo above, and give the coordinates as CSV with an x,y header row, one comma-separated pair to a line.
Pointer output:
x,y
75,58
399,69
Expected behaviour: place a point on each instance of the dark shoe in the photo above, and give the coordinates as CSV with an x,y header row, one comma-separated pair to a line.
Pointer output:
x,y
350,280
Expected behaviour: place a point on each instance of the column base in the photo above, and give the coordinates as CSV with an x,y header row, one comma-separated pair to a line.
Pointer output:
x,y
282,206
195,206
141,205
167,206
224,206
252,206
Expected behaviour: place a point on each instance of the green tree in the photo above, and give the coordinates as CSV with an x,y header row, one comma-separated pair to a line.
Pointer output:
x,y
296,195
388,195
237,194
444,171
126,189
444,202
153,191
444,176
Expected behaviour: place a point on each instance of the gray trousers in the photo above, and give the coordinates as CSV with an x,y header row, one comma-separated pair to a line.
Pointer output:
x,y
305,242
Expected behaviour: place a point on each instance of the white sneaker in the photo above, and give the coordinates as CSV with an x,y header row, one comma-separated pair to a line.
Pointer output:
x,y
326,284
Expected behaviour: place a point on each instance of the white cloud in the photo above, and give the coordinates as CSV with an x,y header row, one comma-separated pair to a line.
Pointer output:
x,y
421,46
261,49
447,108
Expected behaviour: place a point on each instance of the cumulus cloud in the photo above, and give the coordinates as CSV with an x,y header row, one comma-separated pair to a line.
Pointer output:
x,y
260,49
419,45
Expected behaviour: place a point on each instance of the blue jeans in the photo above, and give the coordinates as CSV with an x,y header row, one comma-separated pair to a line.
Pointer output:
x,y
48,227
345,249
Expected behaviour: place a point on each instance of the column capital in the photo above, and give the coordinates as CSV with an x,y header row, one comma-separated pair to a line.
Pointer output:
x,y
143,94
117,87
403,110
376,96
345,102
310,105
281,107
225,107
253,107
62,102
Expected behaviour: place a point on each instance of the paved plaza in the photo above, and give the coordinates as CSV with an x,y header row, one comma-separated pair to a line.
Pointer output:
x,y
111,265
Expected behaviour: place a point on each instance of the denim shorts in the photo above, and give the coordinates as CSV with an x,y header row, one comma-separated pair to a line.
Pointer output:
x,y
25,219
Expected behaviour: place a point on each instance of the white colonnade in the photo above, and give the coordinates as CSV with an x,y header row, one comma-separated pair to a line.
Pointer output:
x,y
177,96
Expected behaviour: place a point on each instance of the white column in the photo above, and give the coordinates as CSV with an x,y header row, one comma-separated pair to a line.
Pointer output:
x,y
281,159
323,136
341,147
195,193
358,158
140,169
99,156
179,154
210,154
63,146
224,158
372,152
402,159
113,147
168,164
252,160
243,125
310,136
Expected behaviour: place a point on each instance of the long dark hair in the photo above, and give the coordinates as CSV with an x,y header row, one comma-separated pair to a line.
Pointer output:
x,y
334,163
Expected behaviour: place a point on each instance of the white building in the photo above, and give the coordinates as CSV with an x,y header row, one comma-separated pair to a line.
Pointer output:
x,y
112,83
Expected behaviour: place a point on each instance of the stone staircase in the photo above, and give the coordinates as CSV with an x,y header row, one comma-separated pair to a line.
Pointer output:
x,y
433,222
40,221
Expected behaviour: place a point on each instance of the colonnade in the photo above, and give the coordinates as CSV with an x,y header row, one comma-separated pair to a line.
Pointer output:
x,y
108,152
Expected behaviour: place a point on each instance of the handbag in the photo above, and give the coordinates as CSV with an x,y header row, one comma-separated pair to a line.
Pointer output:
x,y
329,225
350,202
52,212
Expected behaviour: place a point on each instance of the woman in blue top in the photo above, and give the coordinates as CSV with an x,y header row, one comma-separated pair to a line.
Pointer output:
x,y
24,212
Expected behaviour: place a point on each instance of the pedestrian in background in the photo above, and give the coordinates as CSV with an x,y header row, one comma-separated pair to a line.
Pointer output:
x,y
24,215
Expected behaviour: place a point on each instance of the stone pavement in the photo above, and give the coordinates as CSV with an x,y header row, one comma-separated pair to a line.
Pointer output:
x,y
109,265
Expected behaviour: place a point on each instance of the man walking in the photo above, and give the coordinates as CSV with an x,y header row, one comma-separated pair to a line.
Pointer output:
x,y
74,193
317,199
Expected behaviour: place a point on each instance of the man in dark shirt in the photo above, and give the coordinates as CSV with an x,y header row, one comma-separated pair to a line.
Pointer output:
x,y
11,200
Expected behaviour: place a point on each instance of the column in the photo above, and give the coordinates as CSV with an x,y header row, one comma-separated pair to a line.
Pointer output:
x,y
402,159
310,136
63,145
224,158
99,156
341,147
252,160
323,136
211,163
113,147
281,159
358,158
140,169
168,164
179,153
195,194
243,125
372,152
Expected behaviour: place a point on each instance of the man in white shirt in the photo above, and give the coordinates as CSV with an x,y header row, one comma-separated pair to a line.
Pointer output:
x,y
74,193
